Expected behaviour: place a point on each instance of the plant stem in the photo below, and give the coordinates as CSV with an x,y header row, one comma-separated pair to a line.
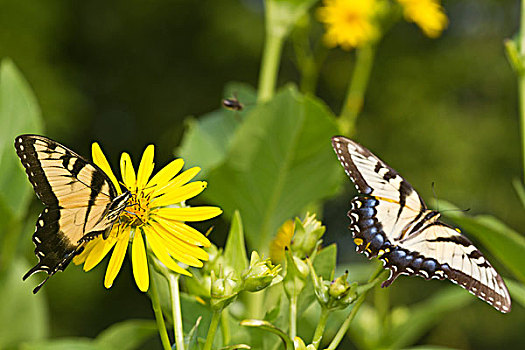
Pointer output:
x,y
175,309
225,327
319,330
293,316
161,326
270,66
213,328
521,83
356,90
374,279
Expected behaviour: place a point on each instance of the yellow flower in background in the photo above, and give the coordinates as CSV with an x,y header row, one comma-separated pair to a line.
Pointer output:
x,y
427,14
282,239
349,23
154,219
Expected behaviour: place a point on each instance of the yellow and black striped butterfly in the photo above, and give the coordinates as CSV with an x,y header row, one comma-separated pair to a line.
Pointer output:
x,y
392,222
81,201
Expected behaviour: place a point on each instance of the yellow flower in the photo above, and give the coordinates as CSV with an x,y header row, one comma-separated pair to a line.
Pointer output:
x,y
154,220
427,14
349,23
282,239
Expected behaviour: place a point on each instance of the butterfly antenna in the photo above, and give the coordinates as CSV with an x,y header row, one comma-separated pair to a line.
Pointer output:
x,y
435,195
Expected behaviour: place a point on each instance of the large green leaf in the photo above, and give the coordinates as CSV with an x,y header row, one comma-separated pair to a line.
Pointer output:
x,y
507,245
23,315
19,113
280,160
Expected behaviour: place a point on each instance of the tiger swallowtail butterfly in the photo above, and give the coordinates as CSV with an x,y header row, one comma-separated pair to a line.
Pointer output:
x,y
81,202
392,222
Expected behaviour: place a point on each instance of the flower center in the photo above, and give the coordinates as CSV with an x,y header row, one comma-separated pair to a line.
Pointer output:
x,y
137,212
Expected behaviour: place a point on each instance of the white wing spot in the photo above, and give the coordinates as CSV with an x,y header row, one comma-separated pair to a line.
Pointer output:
x,y
41,222
21,147
41,254
37,240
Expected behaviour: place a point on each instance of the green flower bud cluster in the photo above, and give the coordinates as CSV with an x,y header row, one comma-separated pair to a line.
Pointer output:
x,y
336,294
260,274
307,234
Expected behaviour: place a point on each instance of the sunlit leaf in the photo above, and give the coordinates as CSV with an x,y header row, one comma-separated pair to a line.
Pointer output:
x,y
280,160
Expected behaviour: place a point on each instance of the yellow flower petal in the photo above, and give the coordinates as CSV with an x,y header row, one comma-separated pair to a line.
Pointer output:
x,y
139,261
179,180
162,254
183,232
99,251
189,214
100,160
146,166
127,171
116,260
81,258
180,250
177,251
165,174
181,194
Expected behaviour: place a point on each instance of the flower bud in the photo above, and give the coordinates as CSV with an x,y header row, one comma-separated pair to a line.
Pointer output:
x,y
224,290
259,274
307,233
296,275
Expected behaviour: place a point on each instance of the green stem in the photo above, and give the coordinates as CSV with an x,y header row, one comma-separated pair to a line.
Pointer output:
x,y
225,327
176,311
521,84
161,326
374,279
213,328
293,316
255,302
356,90
319,330
269,66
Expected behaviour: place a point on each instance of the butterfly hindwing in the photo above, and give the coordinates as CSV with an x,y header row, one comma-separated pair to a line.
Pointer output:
x,y
392,222
78,197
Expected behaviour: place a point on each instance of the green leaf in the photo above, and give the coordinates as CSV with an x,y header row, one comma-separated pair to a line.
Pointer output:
x,y
235,249
280,160
516,290
207,139
19,113
23,315
507,245
127,335
410,324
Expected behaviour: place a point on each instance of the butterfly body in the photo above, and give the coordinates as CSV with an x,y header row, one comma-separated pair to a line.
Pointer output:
x,y
392,222
80,201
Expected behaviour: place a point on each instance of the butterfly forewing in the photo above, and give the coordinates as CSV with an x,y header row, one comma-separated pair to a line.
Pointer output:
x,y
77,195
392,222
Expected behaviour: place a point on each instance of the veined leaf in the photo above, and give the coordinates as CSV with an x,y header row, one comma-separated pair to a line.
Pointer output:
x,y
280,160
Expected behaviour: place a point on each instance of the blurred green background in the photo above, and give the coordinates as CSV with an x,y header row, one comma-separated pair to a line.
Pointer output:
x,y
128,73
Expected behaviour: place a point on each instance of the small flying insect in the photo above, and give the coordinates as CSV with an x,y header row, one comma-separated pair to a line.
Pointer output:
x,y
232,104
